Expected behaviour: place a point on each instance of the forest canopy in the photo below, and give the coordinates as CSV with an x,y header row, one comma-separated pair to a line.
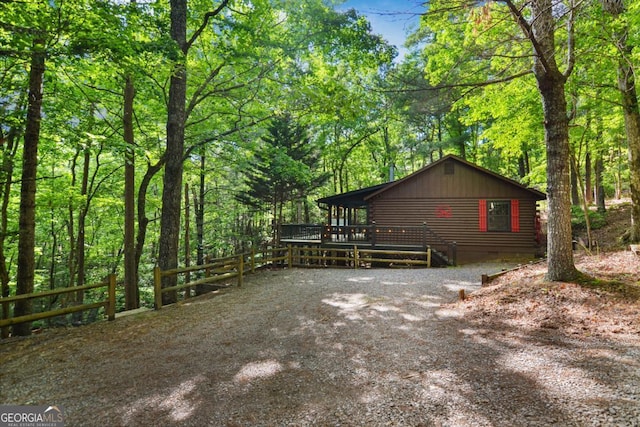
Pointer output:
x,y
118,117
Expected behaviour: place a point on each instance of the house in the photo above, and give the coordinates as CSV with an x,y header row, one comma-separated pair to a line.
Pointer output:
x,y
465,212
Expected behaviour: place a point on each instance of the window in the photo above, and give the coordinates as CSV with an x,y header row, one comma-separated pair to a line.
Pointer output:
x,y
498,215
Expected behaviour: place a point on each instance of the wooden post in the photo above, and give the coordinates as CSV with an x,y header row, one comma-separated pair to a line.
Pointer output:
x,y
111,305
373,234
428,256
424,234
240,270
356,260
289,256
157,287
253,260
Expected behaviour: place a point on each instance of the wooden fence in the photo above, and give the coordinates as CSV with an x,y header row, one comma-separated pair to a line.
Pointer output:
x,y
224,269
109,304
235,267
216,270
356,257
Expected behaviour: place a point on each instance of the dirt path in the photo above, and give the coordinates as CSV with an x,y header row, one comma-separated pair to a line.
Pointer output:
x,y
327,348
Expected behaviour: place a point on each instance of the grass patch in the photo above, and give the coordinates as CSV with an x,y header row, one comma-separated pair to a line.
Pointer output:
x,y
614,287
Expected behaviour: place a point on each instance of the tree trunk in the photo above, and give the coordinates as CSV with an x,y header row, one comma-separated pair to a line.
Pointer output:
x,y
187,239
80,242
82,218
626,83
588,189
600,196
559,242
131,294
143,221
575,187
627,87
172,182
8,150
198,203
521,168
551,83
26,242
71,228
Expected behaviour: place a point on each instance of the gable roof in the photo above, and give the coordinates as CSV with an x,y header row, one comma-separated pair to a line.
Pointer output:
x,y
538,195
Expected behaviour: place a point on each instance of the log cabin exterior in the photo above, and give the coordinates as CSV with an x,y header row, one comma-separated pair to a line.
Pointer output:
x,y
465,212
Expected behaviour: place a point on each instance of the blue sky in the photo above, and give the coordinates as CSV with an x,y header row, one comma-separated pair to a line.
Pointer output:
x,y
392,19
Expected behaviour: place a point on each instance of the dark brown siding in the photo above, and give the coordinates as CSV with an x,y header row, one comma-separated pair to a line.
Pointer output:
x,y
457,220
448,203
465,182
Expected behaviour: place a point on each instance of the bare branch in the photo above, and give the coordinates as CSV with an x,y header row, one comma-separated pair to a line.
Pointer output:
x,y
205,22
472,85
528,32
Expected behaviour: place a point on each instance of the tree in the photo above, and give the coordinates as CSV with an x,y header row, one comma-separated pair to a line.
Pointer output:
x,y
619,35
174,155
491,50
283,169
26,243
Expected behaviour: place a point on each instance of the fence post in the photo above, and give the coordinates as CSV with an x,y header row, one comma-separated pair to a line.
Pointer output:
x,y
428,256
424,234
111,305
240,270
355,257
373,234
157,287
289,256
253,260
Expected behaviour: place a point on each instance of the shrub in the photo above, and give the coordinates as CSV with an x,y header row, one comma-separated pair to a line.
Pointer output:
x,y
596,219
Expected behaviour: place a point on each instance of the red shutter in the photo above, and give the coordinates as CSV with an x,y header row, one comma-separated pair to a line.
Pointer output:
x,y
515,216
482,215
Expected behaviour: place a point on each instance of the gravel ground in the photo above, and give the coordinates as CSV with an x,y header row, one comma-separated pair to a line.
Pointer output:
x,y
326,347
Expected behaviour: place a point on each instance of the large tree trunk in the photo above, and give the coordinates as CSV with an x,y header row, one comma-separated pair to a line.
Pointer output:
x,y
27,225
80,242
559,239
172,182
626,83
551,85
143,221
131,295
8,150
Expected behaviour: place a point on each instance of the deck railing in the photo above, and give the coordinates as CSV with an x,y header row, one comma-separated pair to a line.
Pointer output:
x,y
372,234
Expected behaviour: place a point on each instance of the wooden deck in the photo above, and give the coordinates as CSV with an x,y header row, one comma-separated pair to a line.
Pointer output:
x,y
408,238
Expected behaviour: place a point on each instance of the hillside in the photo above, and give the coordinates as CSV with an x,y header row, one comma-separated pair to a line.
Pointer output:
x,y
607,304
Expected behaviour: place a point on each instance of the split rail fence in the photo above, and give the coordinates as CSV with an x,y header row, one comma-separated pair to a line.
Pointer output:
x,y
235,267
226,269
109,303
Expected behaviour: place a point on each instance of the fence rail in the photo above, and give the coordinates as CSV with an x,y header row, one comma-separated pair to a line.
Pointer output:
x,y
356,257
237,266
109,304
373,235
217,270
224,269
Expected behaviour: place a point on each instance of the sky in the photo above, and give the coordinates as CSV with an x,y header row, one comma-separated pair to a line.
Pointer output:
x,y
392,19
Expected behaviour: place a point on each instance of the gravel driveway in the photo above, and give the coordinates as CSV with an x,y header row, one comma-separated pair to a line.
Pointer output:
x,y
323,347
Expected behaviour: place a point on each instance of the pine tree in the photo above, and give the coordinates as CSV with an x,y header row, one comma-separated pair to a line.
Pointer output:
x,y
283,169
